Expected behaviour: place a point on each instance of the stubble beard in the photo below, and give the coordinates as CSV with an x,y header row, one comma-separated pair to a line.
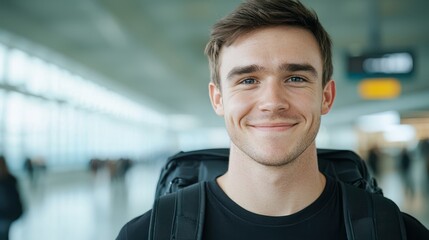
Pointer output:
x,y
258,155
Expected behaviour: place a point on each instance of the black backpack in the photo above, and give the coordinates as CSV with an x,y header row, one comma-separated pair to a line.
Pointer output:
x,y
178,210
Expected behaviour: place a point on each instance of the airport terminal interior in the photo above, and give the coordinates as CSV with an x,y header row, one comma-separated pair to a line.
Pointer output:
x,y
96,95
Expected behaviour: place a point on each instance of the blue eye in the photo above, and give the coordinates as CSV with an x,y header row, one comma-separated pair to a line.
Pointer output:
x,y
248,81
296,79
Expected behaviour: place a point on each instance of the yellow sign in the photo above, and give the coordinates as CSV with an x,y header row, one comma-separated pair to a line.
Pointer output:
x,y
379,88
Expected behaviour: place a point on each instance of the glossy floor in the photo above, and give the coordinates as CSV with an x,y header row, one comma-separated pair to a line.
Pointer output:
x,y
79,205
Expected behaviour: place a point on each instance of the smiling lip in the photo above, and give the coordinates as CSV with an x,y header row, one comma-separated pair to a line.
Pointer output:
x,y
273,126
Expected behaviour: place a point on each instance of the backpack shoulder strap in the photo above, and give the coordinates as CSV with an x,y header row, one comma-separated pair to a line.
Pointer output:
x,y
179,215
370,216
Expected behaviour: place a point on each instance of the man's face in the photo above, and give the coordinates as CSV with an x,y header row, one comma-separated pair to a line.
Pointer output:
x,y
271,94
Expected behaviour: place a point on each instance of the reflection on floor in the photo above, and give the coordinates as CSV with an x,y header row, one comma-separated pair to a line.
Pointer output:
x,y
410,193
79,205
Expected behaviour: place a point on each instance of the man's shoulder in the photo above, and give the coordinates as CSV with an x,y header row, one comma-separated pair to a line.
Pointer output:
x,y
390,214
414,228
137,228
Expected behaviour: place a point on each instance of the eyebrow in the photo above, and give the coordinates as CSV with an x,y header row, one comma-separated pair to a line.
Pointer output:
x,y
298,67
244,70
287,67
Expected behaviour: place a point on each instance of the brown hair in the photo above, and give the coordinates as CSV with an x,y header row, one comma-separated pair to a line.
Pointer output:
x,y
255,14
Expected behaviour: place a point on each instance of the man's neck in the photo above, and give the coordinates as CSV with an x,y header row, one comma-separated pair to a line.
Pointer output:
x,y
273,190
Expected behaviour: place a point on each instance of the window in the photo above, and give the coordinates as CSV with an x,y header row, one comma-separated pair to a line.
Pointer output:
x,y
38,77
3,55
17,68
65,119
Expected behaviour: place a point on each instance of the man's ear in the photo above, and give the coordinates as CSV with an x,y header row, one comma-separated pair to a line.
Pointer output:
x,y
216,99
328,96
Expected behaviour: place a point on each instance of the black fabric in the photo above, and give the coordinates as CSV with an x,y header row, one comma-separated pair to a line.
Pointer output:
x,y
320,220
10,200
10,204
163,218
190,210
358,213
138,228
414,229
388,212
371,216
186,168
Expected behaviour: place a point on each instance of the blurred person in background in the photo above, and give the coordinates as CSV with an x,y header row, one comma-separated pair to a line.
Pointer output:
x,y
405,168
10,200
374,158
35,169
29,169
423,147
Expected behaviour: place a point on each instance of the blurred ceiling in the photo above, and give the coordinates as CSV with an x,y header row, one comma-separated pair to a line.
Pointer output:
x,y
152,50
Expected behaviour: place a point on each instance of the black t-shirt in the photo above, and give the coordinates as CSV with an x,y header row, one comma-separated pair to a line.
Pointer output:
x,y
225,220
320,220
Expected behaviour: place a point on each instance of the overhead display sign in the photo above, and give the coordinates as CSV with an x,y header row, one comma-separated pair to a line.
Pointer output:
x,y
379,88
381,64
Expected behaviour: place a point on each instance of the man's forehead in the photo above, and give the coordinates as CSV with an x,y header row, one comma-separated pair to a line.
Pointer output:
x,y
295,45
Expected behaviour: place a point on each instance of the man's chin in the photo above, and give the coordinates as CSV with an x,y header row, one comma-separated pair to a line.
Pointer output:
x,y
271,156
272,161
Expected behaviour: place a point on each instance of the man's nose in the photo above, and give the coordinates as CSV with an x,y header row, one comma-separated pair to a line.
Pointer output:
x,y
273,97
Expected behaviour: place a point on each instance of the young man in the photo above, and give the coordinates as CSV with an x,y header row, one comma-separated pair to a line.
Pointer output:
x,y
271,82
